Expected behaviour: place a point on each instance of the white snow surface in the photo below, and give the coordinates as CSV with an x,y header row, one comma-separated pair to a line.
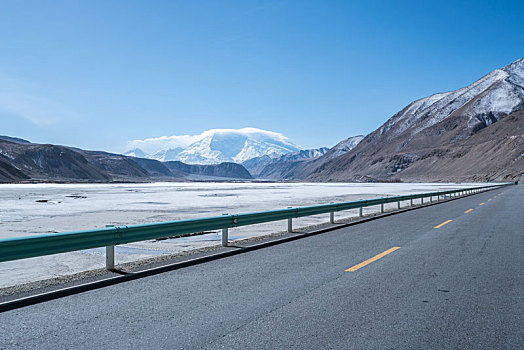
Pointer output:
x,y
73,207
216,146
498,93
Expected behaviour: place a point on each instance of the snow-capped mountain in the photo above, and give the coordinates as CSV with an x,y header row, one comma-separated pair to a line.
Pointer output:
x,y
136,152
343,146
266,164
473,133
216,146
484,102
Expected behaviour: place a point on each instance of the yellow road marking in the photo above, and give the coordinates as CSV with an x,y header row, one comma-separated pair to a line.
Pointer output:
x,y
489,199
369,261
467,211
442,224
481,203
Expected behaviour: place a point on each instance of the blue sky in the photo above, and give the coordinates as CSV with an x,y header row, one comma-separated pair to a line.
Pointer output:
x,y
96,74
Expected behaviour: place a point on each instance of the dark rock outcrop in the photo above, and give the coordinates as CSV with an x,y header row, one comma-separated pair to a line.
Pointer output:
x,y
222,170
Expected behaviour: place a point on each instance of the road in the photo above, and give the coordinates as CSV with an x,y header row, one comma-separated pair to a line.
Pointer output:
x,y
450,284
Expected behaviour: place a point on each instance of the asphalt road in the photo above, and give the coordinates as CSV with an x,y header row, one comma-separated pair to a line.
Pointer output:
x,y
459,286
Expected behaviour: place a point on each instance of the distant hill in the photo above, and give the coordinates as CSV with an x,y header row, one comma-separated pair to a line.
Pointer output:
x,y
284,167
297,165
199,171
13,139
28,162
471,134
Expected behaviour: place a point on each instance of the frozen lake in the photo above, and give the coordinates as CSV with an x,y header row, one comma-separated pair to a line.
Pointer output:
x,y
33,209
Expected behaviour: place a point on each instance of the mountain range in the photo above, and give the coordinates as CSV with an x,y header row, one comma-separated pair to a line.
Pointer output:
x,y
475,133
23,161
297,165
283,167
214,146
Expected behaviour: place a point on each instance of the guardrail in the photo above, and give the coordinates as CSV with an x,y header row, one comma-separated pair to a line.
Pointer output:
x,y
47,244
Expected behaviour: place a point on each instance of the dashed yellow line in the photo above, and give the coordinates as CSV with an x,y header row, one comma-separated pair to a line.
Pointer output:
x,y
467,211
444,223
482,203
489,199
369,261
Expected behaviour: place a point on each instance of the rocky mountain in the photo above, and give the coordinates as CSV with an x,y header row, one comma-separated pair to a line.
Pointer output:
x,y
339,149
29,162
283,167
257,164
13,139
215,146
474,133
342,147
298,165
208,171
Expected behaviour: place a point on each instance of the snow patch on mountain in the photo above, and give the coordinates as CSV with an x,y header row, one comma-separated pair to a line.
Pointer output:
x,y
136,152
500,92
217,146
345,146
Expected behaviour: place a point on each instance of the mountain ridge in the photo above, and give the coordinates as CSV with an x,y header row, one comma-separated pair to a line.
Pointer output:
x,y
22,162
443,121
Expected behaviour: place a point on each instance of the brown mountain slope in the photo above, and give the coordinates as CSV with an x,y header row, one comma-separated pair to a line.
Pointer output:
x,y
458,135
493,153
42,162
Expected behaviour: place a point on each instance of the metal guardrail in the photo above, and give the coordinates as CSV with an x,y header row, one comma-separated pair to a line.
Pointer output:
x,y
47,244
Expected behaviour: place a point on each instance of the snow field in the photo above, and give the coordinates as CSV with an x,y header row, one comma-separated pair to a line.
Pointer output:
x,y
46,208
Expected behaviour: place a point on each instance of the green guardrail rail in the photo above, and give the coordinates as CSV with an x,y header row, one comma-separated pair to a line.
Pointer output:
x,y
47,244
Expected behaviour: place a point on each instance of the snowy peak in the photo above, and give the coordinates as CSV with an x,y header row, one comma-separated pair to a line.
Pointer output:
x,y
496,94
136,152
345,146
304,154
286,166
217,146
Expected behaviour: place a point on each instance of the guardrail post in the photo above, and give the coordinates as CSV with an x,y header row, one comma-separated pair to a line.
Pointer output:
x,y
431,199
289,224
110,255
332,217
225,235
398,204
382,207
411,202
360,211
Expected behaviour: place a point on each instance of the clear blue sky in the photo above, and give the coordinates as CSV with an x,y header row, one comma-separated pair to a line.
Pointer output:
x,y
96,74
